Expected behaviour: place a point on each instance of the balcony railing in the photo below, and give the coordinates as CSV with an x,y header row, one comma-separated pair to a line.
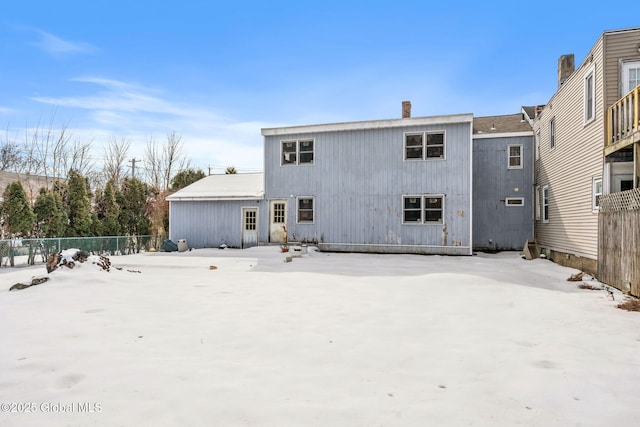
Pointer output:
x,y
623,122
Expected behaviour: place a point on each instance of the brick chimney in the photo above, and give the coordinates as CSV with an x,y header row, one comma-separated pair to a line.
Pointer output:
x,y
406,109
566,67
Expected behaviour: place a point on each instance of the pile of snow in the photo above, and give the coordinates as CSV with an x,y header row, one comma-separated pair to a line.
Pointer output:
x,y
325,340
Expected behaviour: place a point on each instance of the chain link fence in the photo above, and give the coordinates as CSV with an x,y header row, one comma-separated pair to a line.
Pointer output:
x,y
23,252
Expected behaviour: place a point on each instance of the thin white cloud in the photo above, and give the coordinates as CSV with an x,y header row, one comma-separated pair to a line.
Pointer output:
x,y
56,46
140,113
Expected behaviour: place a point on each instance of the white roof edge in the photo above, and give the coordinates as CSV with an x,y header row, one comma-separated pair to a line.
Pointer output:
x,y
209,199
370,124
502,135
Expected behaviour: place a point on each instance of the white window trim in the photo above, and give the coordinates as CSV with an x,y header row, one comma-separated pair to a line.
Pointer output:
x,y
552,133
313,199
594,207
424,146
545,204
509,199
509,156
537,144
422,208
538,207
297,141
590,73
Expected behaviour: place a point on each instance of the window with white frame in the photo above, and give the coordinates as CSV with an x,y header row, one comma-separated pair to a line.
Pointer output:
x,y
545,203
297,152
552,133
514,201
537,143
538,216
589,96
596,193
305,210
514,157
424,145
423,209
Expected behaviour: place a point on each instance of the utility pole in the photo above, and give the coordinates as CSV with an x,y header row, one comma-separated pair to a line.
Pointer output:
x,y
133,166
209,169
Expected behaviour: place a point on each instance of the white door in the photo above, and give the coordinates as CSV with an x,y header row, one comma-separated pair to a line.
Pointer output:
x,y
278,221
249,227
630,76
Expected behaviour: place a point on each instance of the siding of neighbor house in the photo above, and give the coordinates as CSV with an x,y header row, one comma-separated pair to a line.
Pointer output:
x,y
570,167
619,45
359,177
497,226
209,224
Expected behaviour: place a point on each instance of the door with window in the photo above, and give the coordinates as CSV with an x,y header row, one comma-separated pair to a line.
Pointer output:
x,y
630,76
249,227
278,221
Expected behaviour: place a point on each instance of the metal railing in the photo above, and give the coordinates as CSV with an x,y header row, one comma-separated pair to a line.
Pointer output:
x,y
22,252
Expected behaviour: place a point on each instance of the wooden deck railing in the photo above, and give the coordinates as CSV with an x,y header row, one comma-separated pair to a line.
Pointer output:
x,y
623,121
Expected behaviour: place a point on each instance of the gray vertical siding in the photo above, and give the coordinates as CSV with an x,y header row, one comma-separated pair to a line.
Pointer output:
x,y
358,179
208,224
496,226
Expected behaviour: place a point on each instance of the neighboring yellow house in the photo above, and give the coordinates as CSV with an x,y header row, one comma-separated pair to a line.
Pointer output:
x,y
571,133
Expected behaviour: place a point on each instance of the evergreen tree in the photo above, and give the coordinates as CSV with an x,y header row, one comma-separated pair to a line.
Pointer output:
x,y
231,170
51,217
108,211
132,199
78,204
186,177
18,217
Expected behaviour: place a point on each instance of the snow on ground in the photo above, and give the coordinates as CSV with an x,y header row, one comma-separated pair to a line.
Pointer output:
x,y
326,340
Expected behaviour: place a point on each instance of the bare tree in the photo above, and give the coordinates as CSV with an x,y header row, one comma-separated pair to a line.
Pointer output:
x,y
115,155
10,154
162,163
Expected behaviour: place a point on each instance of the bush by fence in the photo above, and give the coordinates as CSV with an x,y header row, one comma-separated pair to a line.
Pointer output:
x,y
31,251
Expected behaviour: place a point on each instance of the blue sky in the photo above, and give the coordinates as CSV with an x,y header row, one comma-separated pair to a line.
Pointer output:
x,y
216,72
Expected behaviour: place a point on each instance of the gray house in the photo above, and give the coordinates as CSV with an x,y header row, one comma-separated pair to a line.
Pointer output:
x,y
392,186
427,185
217,210
502,182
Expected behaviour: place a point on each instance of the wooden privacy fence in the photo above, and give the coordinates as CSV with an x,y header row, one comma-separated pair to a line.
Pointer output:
x,y
619,241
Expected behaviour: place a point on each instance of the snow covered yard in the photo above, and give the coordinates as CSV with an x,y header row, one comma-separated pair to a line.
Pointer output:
x,y
326,340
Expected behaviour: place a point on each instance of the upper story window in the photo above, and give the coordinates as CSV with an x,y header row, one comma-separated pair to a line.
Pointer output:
x,y
515,157
589,96
423,209
297,152
537,142
552,133
424,145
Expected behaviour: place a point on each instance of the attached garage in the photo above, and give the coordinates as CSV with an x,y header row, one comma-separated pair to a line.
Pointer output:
x,y
219,210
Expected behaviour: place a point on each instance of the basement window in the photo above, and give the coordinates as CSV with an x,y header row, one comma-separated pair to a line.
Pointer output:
x,y
514,201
